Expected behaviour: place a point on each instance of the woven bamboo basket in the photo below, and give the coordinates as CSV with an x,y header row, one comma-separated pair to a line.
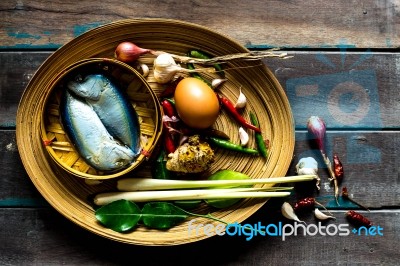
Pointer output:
x,y
71,195
141,96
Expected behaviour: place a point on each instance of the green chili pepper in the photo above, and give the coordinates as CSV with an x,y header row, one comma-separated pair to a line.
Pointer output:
x,y
262,148
203,55
197,75
231,146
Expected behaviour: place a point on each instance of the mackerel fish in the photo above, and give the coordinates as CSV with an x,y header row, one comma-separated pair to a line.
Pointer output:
x,y
112,107
90,137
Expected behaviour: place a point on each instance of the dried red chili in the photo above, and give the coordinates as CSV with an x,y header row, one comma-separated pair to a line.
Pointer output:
x,y
306,204
230,108
338,168
358,219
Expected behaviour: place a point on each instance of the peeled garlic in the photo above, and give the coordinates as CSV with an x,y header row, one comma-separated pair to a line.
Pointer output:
x,y
241,101
288,212
244,137
322,216
165,68
308,166
215,83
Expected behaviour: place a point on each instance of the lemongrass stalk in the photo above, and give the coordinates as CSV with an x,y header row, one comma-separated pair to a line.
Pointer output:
x,y
146,196
135,184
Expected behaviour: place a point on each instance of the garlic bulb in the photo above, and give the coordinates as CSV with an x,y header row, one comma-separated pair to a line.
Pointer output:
x,y
244,137
165,68
308,166
241,101
322,216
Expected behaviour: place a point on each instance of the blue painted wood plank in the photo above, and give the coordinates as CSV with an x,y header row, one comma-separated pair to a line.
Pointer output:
x,y
23,202
25,40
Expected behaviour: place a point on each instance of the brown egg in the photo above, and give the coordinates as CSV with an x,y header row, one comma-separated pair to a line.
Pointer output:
x,y
196,103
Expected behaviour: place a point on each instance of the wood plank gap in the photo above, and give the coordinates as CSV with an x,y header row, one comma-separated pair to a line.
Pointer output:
x,y
337,48
389,210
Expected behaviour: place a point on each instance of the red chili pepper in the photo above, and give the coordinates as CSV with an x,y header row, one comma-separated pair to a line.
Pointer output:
x,y
168,108
358,219
170,90
306,204
338,168
169,142
230,107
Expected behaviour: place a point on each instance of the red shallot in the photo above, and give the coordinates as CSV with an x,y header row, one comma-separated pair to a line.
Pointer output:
x,y
316,127
129,52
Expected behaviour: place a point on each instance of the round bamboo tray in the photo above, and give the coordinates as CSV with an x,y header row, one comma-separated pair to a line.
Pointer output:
x,y
266,98
140,95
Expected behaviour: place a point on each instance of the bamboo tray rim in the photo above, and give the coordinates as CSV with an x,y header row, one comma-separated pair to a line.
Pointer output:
x,y
148,147
43,175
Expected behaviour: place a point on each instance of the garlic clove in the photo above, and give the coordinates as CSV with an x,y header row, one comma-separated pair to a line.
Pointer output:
x,y
288,212
215,83
244,137
241,101
145,70
322,216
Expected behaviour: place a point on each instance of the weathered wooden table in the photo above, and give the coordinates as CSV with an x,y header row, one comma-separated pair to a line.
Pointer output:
x,y
346,69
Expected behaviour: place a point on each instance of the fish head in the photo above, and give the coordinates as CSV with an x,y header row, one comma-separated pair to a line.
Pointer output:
x,y
114,157
88,87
